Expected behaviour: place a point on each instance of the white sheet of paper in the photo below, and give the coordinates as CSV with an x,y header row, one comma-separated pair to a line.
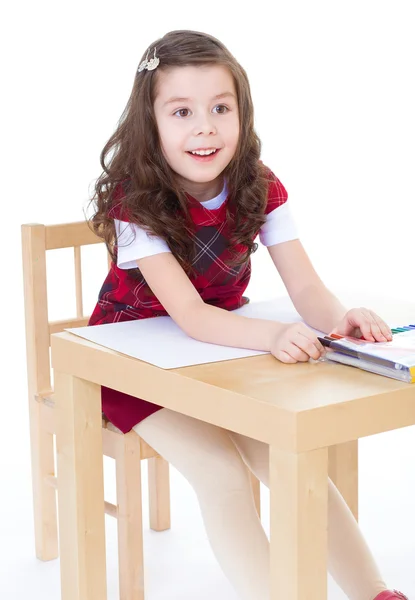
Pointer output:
x,y
159,341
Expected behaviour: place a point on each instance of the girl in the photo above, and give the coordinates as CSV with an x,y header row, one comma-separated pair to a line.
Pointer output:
x,y
179,204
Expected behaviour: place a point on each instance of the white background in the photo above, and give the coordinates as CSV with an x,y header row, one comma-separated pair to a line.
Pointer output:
x,y
333,89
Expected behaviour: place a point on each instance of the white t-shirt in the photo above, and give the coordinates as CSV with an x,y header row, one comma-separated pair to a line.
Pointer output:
x,y
133,241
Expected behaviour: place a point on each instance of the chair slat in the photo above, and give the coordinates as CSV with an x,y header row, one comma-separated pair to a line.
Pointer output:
x,y
110,509
69,235
78,281
36,307
59,326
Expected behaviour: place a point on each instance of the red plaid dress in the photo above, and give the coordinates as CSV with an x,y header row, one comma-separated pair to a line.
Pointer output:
x,y
125,294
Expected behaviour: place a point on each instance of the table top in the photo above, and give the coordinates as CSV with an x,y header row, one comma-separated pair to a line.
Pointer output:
x,y
296,407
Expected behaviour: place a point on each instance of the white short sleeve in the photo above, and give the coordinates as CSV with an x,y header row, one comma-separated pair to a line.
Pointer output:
x,y
133,243
279,226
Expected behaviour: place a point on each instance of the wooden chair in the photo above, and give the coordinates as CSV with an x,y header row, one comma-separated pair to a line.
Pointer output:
x,y
128,450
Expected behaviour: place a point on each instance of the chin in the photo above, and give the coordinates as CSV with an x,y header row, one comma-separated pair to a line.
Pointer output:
x,y
206,179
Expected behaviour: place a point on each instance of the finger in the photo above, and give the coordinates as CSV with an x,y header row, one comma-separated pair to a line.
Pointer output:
x,y
376,332
285,357
297,352
384,328
375,325
307,347
365,325
310,344
310,335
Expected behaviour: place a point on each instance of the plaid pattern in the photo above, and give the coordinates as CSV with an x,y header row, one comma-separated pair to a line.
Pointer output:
x,y
125,294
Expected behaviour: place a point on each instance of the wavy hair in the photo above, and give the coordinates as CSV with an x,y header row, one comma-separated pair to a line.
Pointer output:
x,y
132,158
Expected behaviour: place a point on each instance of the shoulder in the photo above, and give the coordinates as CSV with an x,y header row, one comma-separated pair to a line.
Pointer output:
x,y
277,194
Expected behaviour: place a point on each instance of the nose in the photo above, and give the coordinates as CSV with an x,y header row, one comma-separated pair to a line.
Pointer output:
x,y
204,125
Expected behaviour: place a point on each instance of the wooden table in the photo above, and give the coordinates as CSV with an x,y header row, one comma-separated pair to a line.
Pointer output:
x,y
300,410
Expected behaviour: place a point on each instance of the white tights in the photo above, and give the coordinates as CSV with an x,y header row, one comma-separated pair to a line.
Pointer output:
x,y
213,460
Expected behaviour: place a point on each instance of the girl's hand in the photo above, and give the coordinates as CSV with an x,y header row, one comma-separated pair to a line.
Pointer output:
x,y
295,342
361,322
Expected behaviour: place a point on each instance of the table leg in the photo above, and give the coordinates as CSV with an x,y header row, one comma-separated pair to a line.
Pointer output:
x,y
298,544
80,489
343,471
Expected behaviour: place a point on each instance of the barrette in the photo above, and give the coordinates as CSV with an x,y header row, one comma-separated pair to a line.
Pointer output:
x,y
151,64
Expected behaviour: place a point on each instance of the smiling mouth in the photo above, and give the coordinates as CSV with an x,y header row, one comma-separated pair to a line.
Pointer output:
x,y
203,152
204,158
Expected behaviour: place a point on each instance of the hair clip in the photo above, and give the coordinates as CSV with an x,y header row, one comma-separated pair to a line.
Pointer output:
x,y
151,64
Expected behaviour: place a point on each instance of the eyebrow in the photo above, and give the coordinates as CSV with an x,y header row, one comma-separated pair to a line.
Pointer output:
x,y
218,97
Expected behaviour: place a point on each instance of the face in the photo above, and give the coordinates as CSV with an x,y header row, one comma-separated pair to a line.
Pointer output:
x,y
196,109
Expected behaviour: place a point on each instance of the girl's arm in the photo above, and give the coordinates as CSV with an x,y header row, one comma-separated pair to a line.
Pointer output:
x,y
313,301
174,290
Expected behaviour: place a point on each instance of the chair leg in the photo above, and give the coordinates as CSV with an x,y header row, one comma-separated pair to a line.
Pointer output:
x,y
159,493
256,489
130,520
44,496
343,471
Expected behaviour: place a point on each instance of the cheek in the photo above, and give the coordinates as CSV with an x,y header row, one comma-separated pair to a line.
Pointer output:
x,y
166,142
232,130
170,136
233,137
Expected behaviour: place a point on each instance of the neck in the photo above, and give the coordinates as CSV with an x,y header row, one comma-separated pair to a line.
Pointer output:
x,y
204,191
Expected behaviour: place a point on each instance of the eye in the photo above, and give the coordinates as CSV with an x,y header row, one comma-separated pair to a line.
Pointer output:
x,y
181,110
223,107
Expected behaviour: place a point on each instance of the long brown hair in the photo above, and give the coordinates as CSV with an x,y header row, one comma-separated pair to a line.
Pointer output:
x,y
132,156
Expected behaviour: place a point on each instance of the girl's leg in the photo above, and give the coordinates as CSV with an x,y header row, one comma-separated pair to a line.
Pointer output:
x,y
350,561
209,460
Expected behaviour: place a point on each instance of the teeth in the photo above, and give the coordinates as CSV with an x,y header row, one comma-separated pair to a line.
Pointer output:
x,y
204,152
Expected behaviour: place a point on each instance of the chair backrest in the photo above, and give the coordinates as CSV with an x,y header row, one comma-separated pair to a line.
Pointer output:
x,y
36,241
